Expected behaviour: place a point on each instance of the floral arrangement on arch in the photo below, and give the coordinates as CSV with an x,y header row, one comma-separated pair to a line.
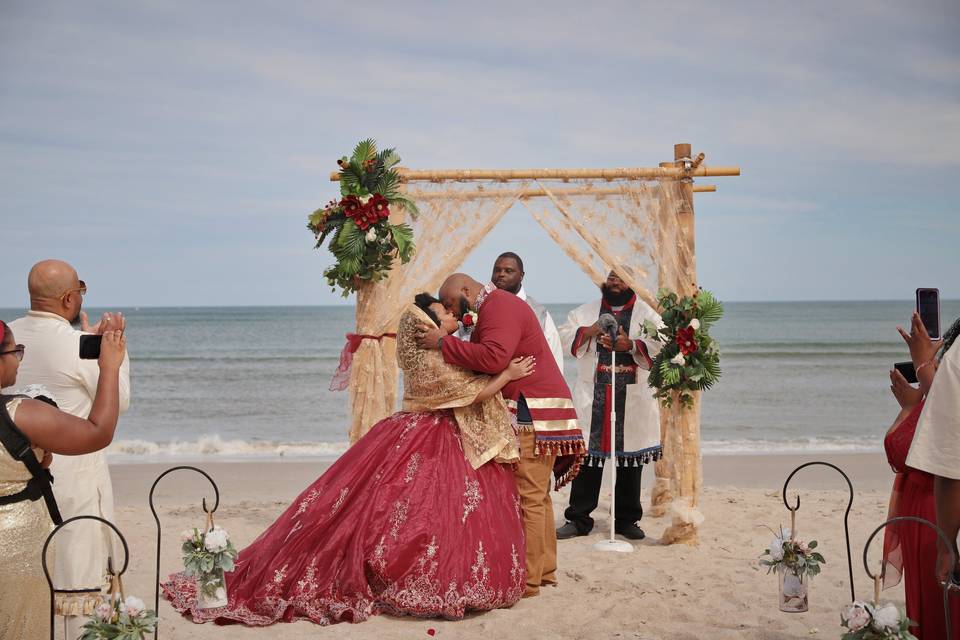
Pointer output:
x,y
120,619
689,359
362,239
868,621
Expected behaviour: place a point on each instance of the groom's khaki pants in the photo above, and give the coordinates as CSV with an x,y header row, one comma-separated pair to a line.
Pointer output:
x,y
533,485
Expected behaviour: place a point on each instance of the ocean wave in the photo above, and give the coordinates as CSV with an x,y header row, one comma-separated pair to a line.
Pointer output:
x,y
242,358
803,445
216,447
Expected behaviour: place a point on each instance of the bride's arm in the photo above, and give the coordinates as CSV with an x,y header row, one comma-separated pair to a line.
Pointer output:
x,y
518,368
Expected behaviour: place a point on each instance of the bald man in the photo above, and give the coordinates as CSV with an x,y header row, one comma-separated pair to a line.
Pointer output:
x,y
549,436
82,483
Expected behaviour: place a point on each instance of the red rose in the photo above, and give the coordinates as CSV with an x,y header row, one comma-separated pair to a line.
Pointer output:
x,y
351,206
381,205
685,341
468,319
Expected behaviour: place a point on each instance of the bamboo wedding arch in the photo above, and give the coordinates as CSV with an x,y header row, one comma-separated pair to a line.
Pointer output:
x,y
637,221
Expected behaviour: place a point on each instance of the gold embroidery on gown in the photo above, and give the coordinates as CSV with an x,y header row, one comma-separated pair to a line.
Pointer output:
x,y
25,600
429,384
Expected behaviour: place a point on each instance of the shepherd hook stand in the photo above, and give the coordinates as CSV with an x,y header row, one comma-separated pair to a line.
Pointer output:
x,y
943,538
46,545
216,503
846,516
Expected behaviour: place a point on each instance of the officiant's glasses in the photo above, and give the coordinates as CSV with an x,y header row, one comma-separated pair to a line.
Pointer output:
x,y
18,350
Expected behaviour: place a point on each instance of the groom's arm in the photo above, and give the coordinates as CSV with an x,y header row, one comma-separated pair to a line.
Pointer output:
x,y
501,335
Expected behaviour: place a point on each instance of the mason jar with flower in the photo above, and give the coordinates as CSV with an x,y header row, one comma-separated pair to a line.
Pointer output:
x,y
206,556
795,562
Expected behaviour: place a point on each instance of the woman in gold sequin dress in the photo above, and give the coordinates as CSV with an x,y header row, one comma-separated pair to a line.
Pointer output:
x,y
24,525
419,517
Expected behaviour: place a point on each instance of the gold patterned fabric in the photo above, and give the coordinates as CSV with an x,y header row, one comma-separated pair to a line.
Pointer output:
x,y
430,384
24,598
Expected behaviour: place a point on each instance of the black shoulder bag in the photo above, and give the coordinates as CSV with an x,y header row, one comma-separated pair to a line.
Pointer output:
x,y
18,446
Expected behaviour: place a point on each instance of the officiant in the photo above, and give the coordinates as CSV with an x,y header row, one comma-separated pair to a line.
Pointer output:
x,y
638,413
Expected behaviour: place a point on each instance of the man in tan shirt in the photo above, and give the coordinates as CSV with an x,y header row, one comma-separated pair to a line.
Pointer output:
x,y
82,483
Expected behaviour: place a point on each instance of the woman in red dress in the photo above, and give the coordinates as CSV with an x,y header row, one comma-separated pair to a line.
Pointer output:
x,y
420,517
910,548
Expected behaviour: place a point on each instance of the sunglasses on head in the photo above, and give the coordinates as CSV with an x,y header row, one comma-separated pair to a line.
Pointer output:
x,y
81,287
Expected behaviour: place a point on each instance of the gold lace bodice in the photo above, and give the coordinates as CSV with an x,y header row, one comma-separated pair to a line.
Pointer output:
x,y
430,384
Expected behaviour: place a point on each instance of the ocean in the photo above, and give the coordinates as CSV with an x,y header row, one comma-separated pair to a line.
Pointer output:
x,y
239,383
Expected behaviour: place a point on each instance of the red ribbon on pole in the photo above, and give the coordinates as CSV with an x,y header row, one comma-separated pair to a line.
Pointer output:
x,y
341,377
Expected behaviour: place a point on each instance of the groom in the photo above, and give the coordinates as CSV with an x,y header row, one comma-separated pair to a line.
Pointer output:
x,y
507,328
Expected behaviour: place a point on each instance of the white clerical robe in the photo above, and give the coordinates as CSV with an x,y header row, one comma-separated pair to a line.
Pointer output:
x,y
936,444
81,483
641,424
546,323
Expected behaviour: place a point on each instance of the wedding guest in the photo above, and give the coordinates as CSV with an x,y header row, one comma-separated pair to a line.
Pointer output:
x,y
25,518
936,447
910,549
638,414
508,276
83,488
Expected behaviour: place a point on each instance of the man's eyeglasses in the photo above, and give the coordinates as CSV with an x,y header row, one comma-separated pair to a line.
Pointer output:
x,y
18,350
81,287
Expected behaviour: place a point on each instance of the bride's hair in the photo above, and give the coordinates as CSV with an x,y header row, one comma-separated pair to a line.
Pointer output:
x,y
424,300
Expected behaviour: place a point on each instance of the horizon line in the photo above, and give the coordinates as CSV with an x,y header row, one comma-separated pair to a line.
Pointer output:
x,y
353,304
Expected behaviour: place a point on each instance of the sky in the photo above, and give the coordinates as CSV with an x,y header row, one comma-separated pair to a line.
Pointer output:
x,y
171,151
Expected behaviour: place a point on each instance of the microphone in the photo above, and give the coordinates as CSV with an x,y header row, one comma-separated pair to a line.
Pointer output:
x,y
609,326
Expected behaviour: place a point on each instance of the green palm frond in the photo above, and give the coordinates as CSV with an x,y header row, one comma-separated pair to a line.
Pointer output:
x,y
351,242
365,150
711,309
403,237
350,179
386,184
387,159
407,203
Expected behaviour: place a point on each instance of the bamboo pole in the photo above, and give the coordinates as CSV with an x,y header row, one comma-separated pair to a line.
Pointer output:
x,y
624,173
683,425
533,192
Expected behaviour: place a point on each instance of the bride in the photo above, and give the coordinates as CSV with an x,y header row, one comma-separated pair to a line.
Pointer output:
x,y
420,517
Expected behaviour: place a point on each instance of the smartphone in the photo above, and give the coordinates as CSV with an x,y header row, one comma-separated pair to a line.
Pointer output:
x,y
907,371
90,347
928,306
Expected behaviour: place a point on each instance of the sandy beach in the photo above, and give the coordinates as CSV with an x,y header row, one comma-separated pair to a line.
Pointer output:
x,y
716,590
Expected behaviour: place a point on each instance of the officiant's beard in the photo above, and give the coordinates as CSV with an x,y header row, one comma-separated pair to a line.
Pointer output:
x,y
614,298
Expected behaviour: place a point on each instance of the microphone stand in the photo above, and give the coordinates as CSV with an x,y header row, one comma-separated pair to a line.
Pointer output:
x,y
620,546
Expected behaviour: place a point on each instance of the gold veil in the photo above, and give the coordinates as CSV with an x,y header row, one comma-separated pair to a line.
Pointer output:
x,y
430,384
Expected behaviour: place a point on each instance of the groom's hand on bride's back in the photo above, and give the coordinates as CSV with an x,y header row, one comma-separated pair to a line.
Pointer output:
x,y
428,337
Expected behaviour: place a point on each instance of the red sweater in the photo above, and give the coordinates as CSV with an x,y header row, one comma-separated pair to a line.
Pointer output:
x,y
508,328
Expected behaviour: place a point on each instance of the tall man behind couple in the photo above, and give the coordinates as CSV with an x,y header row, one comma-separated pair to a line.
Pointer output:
x,y
422,516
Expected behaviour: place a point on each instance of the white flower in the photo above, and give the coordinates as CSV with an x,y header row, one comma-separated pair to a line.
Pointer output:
x,y
887,617
187,535
776,549
216,540
694,324
856,616
104,612
371,235
678,359
221,593
364,199
134,606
